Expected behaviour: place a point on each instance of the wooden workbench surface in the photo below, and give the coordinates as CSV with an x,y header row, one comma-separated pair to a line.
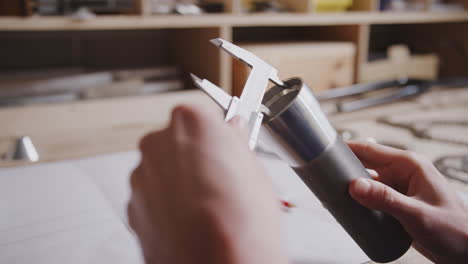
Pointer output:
x,y
104,126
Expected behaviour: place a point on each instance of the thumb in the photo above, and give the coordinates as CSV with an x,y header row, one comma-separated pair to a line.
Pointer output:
x,y
240,127
376,195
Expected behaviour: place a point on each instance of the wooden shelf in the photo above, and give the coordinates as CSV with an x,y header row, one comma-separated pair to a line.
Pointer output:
x,y
136,41
116,124
224,20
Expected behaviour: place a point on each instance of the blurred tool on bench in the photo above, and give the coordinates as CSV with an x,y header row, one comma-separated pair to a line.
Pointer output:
x,y
371,94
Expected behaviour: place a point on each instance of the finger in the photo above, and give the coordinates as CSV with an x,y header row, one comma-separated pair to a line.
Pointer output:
x,y
185,122
375,155
195,122
375,195
390,181
131,213
395,167
135,178
373,174
147,142
239,125
196,115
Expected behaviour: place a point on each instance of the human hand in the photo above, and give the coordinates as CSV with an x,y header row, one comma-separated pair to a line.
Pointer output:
x,y
199,195
411,189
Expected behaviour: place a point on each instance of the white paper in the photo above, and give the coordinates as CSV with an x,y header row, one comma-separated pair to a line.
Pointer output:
x,y
314,236
75,211
111,174
53,213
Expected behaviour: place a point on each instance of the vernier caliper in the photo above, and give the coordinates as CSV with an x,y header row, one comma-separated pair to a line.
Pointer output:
x,y
249,105
300,134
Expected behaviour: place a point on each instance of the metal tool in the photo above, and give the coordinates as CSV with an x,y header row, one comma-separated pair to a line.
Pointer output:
x,y
24,150
297,130
249,104
407,88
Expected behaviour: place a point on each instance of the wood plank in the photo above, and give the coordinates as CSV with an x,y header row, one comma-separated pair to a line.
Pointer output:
x,y
298,6
195,54
143,7
362,49
225,62
365,5
67,131
116,22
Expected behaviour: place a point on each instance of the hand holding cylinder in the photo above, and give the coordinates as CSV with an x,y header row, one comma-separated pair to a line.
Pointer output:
x,y
304,138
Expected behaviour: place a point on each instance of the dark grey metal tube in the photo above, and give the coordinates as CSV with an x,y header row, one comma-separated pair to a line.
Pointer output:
x,y
380,236
304,138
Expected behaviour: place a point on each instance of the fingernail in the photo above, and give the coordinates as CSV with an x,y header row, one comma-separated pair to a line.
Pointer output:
x,y
237,121
362,187
179,117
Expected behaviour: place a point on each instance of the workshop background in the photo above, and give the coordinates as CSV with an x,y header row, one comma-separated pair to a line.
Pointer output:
x,y
80,78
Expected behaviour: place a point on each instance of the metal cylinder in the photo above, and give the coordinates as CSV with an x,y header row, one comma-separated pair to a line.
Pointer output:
x,y
301,135
300,129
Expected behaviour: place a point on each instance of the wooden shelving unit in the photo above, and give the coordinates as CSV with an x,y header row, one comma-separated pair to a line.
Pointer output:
x,y
151,40
128,22
84,128
187,36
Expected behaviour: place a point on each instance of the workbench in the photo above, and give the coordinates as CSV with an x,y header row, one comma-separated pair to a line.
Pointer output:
x,y
64,132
